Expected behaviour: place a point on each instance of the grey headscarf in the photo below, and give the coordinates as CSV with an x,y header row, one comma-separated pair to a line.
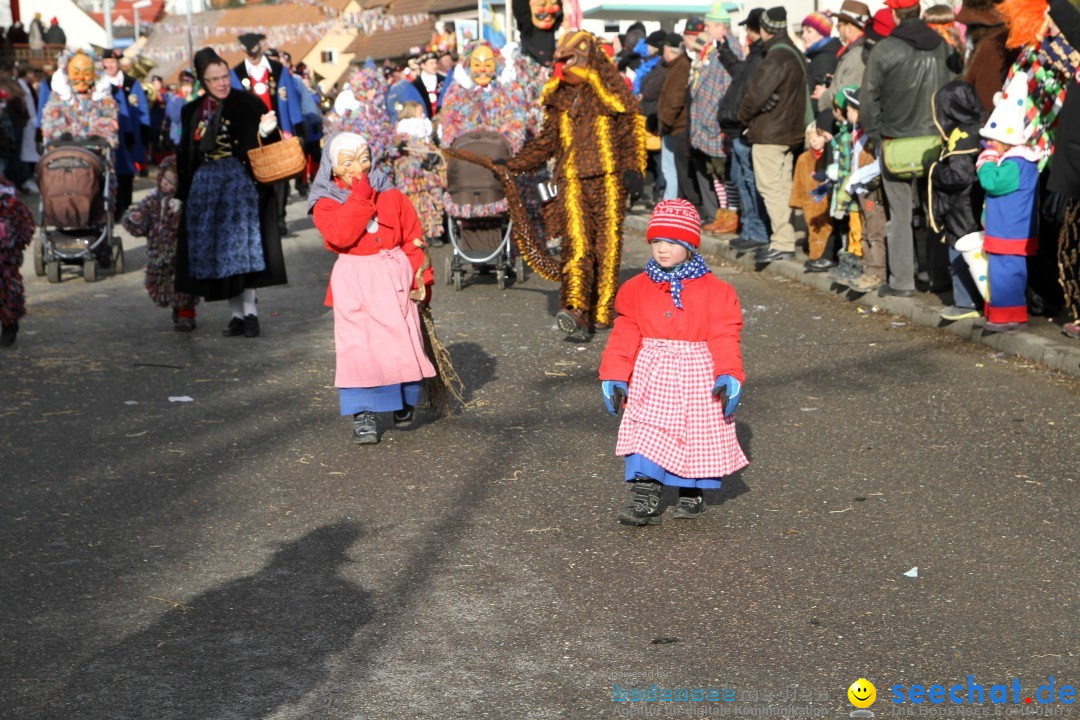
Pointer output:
x,y
324,185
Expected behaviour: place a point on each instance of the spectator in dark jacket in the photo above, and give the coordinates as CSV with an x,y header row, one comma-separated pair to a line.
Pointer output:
x,y
1065,172
753,231
903,73
55,35
822,50
648,82
674,123
954,190
775,111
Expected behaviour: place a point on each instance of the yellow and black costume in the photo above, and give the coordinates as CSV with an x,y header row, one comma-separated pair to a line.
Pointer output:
x,y
596,135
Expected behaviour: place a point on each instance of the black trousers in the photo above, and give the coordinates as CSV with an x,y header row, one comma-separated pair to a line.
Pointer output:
x,y
124,185
688,189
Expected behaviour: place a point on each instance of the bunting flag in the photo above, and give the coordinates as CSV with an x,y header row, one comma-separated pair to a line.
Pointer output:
x,y
492,26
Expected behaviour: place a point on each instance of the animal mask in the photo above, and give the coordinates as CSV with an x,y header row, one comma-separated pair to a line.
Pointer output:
x,y
573,57
80,71
544,13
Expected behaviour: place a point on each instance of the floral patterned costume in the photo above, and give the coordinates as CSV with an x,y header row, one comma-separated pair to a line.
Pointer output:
x,y
157,218
369,119
421,174
16,231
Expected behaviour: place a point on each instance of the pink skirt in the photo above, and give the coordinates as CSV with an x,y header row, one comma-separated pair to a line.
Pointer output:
x,y
377,333
671,416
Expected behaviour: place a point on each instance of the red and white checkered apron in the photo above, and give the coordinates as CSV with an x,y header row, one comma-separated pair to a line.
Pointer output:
x,y
671,416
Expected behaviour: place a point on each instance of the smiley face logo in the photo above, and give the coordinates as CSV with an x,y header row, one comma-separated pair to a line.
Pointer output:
x,y
862,693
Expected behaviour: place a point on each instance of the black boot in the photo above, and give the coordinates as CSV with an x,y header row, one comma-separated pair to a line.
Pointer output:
x,y
691,504
645,508
404,416
365,430
7,336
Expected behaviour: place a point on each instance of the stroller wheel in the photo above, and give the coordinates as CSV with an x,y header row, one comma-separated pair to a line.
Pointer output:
x,y
89,270
52,271
459,279
39,256
118,259
500,278
448,273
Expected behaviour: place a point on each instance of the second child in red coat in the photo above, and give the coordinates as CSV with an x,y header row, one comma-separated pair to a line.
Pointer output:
x,y
674,359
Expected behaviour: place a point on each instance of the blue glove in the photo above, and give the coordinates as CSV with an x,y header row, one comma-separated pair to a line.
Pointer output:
x,y
615,393
728,389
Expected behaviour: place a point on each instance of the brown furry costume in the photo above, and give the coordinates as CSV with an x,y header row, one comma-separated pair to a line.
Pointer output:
x,y
595,133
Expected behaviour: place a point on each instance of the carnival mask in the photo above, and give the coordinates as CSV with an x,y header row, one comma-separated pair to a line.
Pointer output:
x,y
482,65
80,72
545,13
572,57
352,163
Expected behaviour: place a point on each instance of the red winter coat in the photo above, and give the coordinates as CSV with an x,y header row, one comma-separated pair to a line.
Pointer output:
x,y
710,313
344,227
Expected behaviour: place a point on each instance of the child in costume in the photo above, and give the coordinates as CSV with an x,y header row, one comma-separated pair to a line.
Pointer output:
x,y
16,232
1009,173
381,274
157,218
419,171
674,357
954,192
815,208
864,185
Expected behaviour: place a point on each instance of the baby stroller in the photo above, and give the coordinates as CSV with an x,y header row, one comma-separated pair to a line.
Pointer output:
x,y
478,224
76,228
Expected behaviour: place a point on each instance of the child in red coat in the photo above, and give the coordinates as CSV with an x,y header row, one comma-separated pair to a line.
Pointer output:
x,y
674,358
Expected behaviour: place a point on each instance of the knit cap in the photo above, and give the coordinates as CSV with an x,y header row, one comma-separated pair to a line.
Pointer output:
x,y
675,220
775,20
819,22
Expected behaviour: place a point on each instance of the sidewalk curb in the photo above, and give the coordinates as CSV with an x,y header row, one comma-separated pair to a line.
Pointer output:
x,y
1063,356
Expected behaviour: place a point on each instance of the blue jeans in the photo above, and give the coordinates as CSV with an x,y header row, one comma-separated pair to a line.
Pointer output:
x,y
667,169
751,206
964,290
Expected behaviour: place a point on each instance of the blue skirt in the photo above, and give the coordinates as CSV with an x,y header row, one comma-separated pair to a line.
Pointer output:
x,y
222,213
639,466
385,398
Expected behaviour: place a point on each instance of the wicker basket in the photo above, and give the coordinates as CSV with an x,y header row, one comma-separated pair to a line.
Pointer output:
x,y
278,161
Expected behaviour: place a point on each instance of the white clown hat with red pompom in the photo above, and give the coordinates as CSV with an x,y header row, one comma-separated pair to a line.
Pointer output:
x,y
1008,121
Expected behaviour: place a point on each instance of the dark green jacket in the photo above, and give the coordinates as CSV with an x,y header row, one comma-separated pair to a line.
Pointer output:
x,y
902,74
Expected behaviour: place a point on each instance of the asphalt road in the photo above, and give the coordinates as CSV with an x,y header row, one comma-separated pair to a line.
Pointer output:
x,y
236,557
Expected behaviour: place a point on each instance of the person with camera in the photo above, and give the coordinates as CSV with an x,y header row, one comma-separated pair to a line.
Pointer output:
x,y
821,50
850,26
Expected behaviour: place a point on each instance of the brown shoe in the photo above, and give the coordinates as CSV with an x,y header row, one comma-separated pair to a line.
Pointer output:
x,y
572,324
726,223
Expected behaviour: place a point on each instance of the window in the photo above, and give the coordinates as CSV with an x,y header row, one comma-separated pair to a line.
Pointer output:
x,y
611,27
329,56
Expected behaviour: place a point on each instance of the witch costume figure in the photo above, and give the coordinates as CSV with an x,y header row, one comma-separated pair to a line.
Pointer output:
x,y
381,276
594,132
80,105
229,243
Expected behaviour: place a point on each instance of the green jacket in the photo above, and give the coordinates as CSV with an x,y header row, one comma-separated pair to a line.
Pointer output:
x,y
902,74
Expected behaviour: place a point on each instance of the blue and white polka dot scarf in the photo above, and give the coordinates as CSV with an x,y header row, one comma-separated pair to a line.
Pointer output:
x,y
695,267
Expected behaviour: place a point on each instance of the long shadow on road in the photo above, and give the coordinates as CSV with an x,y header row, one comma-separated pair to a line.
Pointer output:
x,y
241,650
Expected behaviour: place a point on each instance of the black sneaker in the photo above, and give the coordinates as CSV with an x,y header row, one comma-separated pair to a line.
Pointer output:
x,y
234,328
251,326
645,508
691,504
7,336
404,416
365,431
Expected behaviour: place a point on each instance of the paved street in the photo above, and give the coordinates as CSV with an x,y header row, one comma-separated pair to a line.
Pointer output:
x,y
237,558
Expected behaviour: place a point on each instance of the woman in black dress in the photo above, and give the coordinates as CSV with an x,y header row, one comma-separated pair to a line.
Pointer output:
x,y
228,243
